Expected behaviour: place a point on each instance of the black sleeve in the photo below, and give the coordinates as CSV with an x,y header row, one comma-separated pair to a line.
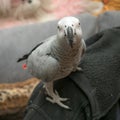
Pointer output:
x,y
40,109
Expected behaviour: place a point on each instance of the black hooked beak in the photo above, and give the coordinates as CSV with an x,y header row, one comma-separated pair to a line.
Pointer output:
x,y
70,36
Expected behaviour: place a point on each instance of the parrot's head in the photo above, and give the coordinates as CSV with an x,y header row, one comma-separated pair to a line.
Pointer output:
x,y
69,29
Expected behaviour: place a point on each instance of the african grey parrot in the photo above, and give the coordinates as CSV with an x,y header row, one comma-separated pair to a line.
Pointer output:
x,y
57,57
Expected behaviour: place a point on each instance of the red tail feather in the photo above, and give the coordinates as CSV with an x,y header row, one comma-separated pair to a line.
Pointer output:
x,y
24,66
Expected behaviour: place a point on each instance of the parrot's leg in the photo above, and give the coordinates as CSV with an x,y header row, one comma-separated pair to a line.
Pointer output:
x,y
54,97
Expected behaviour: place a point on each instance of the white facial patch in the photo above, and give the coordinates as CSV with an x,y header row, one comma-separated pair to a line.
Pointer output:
x,y
68,21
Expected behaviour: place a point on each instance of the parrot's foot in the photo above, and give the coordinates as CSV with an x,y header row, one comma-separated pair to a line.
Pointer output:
x,y
79,69
55,98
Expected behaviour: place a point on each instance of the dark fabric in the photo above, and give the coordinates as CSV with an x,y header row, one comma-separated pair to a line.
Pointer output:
x,y
101,77
94,93
44,110
113,114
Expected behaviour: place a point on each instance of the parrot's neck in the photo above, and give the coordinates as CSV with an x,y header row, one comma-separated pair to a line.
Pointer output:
x,y
65,45
63,49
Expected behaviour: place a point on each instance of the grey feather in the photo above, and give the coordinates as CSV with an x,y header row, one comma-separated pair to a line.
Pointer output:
x,y
51,61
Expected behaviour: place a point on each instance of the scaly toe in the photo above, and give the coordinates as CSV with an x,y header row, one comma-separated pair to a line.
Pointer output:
x,y
50,99
60,98
62,105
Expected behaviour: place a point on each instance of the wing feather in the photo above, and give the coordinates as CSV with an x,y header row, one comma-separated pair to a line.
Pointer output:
x,y
28,54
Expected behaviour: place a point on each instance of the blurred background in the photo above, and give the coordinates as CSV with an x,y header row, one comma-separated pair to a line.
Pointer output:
x,y
17,12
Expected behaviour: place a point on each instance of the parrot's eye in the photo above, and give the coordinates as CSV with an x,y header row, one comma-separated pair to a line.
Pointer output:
x,y
79,23
59,28
72,25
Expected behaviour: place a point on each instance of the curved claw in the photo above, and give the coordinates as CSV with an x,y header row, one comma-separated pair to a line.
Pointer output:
x,y
61,99
62,105
58,102
55,98
79,69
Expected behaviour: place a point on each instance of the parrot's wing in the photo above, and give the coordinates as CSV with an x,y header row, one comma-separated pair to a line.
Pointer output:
x,y
27,55
42,62
38,45
45,66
